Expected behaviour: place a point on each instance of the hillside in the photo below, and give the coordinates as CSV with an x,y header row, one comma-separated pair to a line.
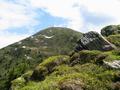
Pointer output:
x,y
26,54
62,59
61,73
87,68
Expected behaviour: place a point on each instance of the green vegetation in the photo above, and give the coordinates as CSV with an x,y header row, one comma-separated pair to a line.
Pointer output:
x,y
110,30
112,34
58,69
48,66
115,39
87,74
22,56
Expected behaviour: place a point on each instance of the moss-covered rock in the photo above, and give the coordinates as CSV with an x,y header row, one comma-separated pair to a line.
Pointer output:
x,y
48,66
18,83
72,84
110,30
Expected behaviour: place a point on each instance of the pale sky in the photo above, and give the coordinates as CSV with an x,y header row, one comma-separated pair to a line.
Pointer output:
x,y
22,18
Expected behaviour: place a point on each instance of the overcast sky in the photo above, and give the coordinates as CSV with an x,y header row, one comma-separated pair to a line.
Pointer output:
x,y
21,18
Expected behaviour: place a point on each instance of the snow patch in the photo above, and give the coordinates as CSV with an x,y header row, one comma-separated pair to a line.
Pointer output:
x,y
48,37
23,46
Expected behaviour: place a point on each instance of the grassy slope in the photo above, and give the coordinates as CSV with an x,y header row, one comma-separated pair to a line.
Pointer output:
x,y
21,56
115,39
89,73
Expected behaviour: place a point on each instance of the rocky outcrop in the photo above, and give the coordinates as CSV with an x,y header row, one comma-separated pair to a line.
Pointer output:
x,y
93,41
72,85
110,30
113,65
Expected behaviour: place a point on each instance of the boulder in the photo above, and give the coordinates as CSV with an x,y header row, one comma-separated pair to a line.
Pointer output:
x,y
113,65
93,41
72,85
110,30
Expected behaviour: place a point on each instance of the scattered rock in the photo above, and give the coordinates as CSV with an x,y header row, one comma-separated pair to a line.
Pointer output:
x,y
93,41
114,65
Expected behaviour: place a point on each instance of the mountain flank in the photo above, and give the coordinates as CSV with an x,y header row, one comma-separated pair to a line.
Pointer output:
x,y
62,59
21,56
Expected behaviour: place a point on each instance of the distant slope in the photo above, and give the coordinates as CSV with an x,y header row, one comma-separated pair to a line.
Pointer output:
x,y
23,55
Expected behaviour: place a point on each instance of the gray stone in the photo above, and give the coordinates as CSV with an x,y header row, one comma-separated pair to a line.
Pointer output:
x,y
93,41
114,65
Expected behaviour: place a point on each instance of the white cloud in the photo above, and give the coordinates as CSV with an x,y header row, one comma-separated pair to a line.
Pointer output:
x,y
15,15
72,11
22,14
61,8
105,8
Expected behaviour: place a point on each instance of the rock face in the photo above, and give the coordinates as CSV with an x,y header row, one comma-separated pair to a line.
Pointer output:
x,y
114,65
93,41
110,30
